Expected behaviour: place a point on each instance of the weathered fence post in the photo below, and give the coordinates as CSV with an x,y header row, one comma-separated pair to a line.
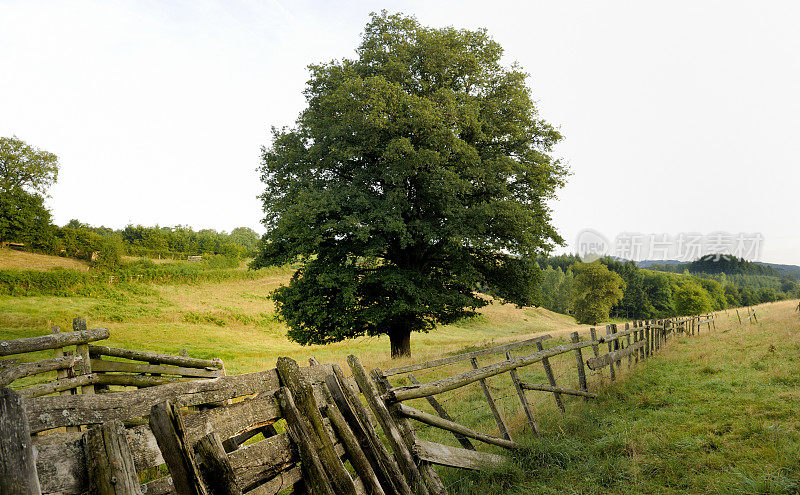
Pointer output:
x,y
575,338
628,342
548,370
523,399
84,366
167,427
215,466
429,475
611,349
501,425
289,373
384,465
401,451
17,464
109,462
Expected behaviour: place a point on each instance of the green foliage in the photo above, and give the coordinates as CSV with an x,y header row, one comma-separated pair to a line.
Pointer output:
x,y
24,219
692,299
418,172
25,168
730,264
556,290
595,291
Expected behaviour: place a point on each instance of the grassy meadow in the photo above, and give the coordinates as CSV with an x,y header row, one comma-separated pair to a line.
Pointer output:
x,y
234,319
714,413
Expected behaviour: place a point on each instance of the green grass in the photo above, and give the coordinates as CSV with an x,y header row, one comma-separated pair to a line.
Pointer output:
x,y
715,413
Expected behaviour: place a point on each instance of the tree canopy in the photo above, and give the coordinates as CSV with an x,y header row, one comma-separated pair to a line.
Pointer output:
x,y
596,289
23,167
418,171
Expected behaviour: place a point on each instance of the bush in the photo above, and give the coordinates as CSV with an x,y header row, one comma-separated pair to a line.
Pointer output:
x,y
691,299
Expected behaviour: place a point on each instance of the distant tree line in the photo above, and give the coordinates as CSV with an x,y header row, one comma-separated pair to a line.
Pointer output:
x,y
105,246
651,294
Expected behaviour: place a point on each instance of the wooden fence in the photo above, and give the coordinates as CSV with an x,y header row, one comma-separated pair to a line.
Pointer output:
x,y
297,429
79,366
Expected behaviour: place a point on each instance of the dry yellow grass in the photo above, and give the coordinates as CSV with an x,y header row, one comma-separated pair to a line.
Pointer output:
x,y
20,260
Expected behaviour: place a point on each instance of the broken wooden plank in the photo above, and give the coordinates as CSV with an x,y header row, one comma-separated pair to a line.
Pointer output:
x,y
440,410
445,455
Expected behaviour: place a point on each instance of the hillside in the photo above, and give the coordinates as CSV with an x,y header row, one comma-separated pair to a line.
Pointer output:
x,y
20,260
234,319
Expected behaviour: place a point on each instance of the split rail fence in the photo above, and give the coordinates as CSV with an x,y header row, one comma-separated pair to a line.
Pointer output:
x,y
292,429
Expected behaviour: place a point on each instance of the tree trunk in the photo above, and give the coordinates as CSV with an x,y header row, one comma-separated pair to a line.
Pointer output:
x,y
400,340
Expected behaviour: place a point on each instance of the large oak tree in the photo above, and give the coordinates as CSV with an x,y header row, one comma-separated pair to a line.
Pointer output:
x,y
418,174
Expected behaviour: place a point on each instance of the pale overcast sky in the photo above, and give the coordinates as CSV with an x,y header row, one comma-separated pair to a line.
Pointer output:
x,y
678,116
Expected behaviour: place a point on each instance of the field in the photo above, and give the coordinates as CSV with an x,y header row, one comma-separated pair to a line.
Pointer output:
x,y
21,260
716,413
235,320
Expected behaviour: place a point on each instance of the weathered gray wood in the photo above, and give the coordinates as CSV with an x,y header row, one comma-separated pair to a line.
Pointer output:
x,y
52,341
45,413
523,399
64,373
139,381
61,463
607,359
109,461
160,486
440,410
582,383
167,427
610,350
17,463
6,364
445,455
384,464
561,390
99,365
358,459
432,480
628,344
9,374
452,426
262,460
153,358
465,356
498,418
548,371
401,452
58,386
215,467
302,436
289,372
593,336
400,394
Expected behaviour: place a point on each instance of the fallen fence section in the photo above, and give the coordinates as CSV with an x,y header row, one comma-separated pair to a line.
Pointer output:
x,y
86,369
290,428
